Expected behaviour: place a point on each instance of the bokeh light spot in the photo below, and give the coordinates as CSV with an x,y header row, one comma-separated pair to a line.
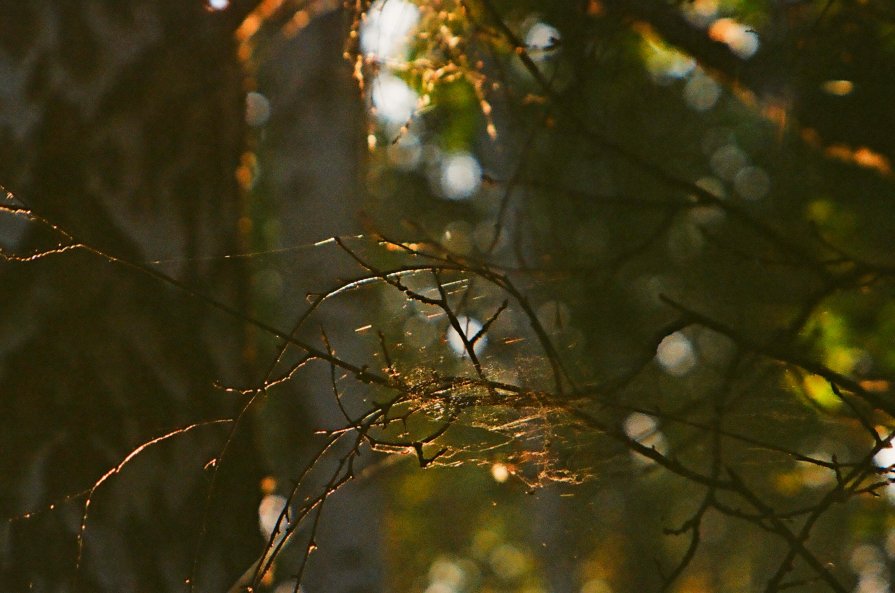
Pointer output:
x,y
701,92
645,430
885,460
675,354
470,328
446,571
716,137
440,587
500,473
508,562
406,153
666,64
713,185
639,426
741,40
394,101
752,183
542,36
727,161
269,512
839,88
257,109
387,28
460,176
700,12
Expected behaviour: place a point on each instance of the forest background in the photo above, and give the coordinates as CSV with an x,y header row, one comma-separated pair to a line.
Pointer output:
x,y
448,296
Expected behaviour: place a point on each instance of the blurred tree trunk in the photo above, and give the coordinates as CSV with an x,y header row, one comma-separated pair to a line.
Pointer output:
x,y
123,123
311,171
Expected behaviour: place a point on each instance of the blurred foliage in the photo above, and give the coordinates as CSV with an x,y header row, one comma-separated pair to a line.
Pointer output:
x,y
640,159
